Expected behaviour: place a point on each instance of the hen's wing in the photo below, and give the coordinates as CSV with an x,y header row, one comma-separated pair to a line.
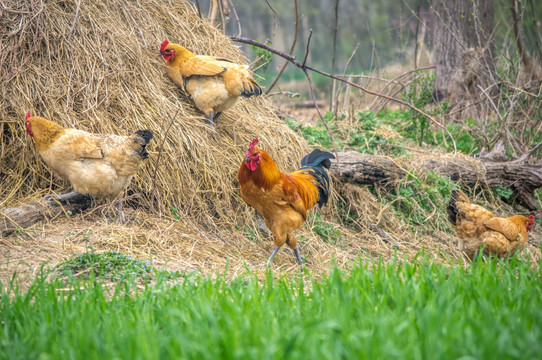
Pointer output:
x,y
505,227
470,219
202,65
79,144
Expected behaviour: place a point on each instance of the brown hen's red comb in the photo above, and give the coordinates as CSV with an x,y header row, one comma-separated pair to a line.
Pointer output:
x,y
164,44
531,217
27,116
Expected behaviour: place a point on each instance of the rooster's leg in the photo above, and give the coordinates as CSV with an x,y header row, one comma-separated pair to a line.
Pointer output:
x,y
275,250
296,251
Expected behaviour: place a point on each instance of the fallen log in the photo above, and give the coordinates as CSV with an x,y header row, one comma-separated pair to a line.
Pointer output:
x,y
357,168
12,219
518,175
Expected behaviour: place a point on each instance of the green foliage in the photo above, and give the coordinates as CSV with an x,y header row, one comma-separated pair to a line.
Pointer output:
x,y
365,139
264,57
316,135
421,199
419,94
362,136
174,212
466,138
380,310
502,192
248,232
110,265
326,230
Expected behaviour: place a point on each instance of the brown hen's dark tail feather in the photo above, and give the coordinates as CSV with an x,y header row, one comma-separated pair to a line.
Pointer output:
x,y
316,161
143,138
251,88
453,212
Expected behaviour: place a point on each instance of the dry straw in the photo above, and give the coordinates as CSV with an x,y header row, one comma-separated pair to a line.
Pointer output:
x,y
95,65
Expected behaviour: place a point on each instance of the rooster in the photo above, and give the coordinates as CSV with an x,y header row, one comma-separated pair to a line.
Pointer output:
x,y
214,84
284,199
99,165
499,236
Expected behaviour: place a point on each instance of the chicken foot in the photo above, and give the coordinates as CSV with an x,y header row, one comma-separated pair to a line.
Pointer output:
x,y
59,197
276,249
119,208
213,117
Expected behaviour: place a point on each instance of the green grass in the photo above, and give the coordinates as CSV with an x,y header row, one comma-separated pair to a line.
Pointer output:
x,y
398,310
110,265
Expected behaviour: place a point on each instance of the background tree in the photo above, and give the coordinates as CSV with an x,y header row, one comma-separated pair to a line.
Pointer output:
x,y
462,46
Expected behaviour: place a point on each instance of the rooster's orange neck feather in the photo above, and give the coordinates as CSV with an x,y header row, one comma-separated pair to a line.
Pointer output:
x,y
266,175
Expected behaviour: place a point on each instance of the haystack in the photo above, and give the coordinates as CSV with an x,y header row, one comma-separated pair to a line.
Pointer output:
x,y
95,65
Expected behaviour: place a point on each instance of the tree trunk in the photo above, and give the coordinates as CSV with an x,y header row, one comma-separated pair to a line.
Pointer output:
x,y
521,177
461,45
12,219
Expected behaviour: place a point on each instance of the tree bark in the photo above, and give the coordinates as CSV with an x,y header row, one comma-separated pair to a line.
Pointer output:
x,y
12,219
461,45
518,175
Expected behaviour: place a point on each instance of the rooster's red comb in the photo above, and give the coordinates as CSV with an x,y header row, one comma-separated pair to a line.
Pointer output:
x,y
164,44
253,144
27,116
531,217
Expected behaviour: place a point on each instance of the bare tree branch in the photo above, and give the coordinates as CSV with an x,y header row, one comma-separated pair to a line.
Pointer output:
x,y
303,66
307,51
199,9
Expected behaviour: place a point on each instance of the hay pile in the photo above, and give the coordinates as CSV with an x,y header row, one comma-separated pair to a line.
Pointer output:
x,y
95,65
101,72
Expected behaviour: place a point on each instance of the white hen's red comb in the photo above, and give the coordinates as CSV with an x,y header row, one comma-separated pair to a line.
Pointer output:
x,y
27,116
164,44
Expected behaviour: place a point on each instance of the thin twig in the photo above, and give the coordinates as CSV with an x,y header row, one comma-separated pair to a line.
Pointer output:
x,y
236,18
275,13
304,67
528,154
285,93
199,9
274,82
336,98
311,88
75,18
